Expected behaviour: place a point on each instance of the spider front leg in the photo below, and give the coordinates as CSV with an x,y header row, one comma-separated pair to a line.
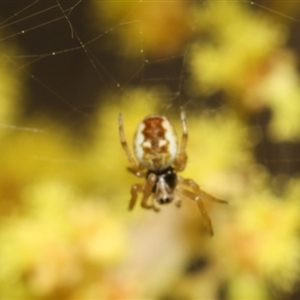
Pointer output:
x,y
196,189
135,189
178,203
146,189
197,195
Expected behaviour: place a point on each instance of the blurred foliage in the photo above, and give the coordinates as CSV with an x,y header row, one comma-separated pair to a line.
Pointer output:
x,y
159,28
243,53
10,89
65,232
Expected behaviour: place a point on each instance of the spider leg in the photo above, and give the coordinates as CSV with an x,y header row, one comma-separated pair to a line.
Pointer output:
x,y
135,189
177,201
196,189
197,194
181,158
135,167
153,204
196,197
147,191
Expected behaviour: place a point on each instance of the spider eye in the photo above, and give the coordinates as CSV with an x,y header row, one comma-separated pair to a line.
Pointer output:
x,y
164,200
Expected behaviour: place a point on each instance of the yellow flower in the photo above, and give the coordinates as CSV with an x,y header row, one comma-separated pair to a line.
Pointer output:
x,y
58,243
260,240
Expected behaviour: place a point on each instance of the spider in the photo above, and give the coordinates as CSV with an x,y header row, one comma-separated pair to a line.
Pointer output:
x,y
158,158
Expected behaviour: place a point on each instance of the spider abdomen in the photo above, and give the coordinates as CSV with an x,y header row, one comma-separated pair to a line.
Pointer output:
x,y
155,143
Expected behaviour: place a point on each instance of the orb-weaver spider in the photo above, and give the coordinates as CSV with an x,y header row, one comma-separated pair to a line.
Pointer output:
x,y
158,158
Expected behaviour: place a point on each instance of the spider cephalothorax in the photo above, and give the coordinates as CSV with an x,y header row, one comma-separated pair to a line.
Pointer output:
x,y
165,184
157,152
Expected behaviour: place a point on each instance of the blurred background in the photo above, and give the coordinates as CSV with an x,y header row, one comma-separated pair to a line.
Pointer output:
x,y
68,68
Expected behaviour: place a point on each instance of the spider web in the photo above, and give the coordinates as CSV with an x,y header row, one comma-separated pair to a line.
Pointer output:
x,y
66,64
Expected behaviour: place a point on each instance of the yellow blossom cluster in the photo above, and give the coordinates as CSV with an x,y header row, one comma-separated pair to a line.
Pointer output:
x,y
243,53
